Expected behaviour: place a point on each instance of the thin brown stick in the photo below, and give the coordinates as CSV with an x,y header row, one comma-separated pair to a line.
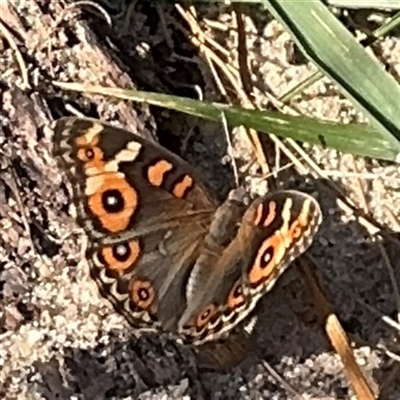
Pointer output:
x,y
20,60
285,385
336,334
198,39
244,71
245,78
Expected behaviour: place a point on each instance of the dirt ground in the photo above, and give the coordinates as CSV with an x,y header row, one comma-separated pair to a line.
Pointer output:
x,y
58,338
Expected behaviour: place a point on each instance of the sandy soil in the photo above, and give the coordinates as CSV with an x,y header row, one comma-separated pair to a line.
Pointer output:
x,y
58,338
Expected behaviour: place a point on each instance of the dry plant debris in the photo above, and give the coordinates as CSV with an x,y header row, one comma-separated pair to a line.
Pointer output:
x,y
58,338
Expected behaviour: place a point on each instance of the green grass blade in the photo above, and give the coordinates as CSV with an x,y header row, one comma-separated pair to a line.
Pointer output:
x,y
335,51
357,139
371,4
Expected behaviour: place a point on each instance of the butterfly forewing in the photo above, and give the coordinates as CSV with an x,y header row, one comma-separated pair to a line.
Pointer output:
x,y
124,185
144,212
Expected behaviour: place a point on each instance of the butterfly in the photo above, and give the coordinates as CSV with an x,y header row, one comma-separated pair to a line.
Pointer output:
x,y
161,249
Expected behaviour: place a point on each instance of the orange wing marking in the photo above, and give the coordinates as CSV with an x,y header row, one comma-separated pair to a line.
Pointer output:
x,y
156,173
181,188
120,257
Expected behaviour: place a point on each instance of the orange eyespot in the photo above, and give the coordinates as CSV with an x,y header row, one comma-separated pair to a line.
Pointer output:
x,y
142,294
112,200
266,261
205,316
295,230
267,257
237,290
89,153
121,257
236,298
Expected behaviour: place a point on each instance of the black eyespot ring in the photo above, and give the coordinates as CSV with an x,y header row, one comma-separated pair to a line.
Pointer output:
x,y
113,201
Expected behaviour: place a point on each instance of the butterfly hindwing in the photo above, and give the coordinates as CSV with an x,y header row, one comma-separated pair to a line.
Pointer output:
x,y
273,231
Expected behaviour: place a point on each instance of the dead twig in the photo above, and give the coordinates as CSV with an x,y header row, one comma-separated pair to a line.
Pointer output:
x,y
75,7
336,333
20,59
199,40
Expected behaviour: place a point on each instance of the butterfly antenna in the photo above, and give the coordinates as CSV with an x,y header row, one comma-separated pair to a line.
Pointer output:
x,y
230,148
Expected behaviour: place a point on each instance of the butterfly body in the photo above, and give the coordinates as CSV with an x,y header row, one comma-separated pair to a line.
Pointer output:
x,y
161,249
